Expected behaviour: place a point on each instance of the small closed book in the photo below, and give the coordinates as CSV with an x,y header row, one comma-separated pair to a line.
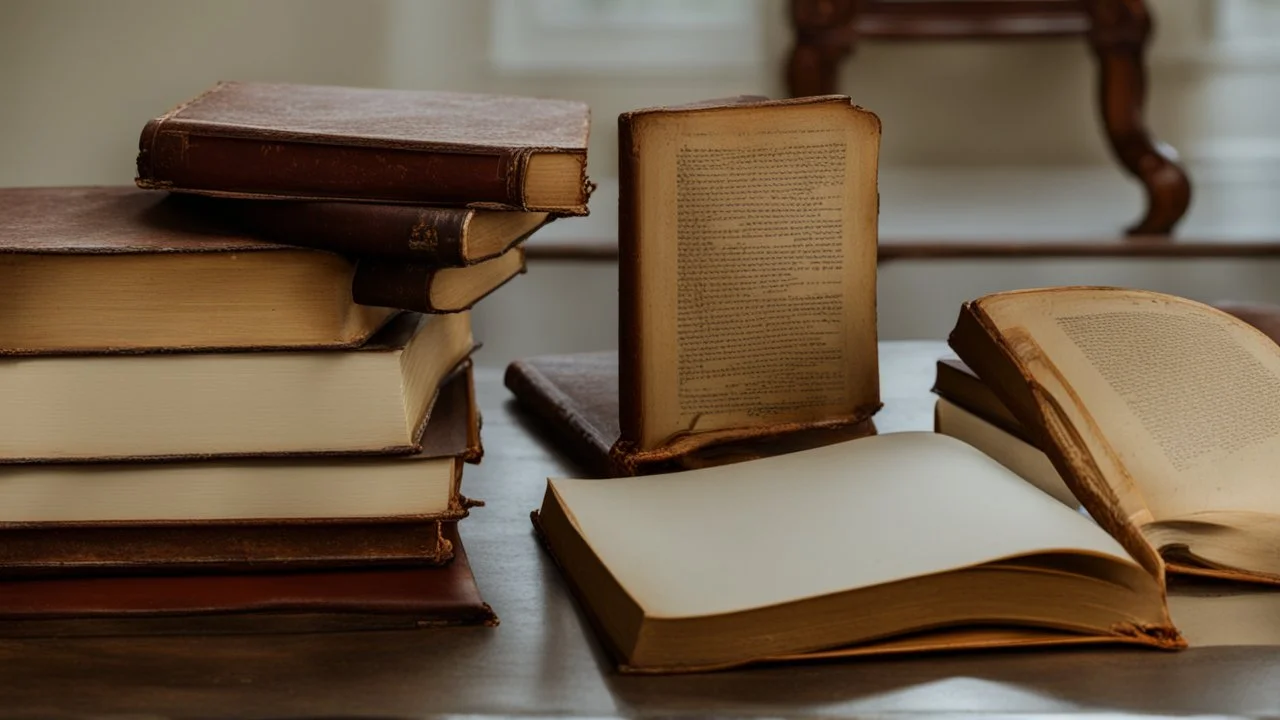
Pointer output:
x,y
747,240
262,140
314,601
438,236
427,288
117,269
891,544
1158,412
243,515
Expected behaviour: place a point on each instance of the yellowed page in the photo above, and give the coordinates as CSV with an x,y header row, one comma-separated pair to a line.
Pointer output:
x,y
1183,400
758,232
790,527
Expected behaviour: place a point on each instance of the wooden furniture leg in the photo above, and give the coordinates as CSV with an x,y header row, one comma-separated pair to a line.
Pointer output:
x,y
1118,33
823,37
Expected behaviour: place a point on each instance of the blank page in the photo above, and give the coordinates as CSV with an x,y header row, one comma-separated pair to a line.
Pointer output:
x,y
786,528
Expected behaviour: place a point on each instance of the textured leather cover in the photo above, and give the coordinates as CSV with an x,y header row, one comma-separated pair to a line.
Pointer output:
x,y
239,546
313,601
118,220
575,400
407,285
419,234
631,302
319,142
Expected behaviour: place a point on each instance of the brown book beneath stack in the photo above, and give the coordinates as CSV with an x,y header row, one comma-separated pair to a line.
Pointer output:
x,y
440,236
575,399
315,142
287,602
244,515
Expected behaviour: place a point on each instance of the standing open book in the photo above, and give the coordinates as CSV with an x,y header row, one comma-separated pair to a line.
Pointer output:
x,y
897,543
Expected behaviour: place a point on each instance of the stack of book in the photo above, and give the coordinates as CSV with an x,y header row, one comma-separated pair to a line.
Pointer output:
x,y
252,398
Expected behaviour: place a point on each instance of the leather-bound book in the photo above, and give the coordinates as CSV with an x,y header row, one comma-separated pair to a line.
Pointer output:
x,y
574,402
427,288
241,515
259,140
437,236
1158,412
370,400
118,269
287,602
747,272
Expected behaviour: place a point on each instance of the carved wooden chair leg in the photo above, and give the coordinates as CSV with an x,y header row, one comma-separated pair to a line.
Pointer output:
x,y
823,32
1118,35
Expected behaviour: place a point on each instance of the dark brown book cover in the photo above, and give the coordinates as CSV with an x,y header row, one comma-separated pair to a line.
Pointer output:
x,y
408,285
48,548
287,602
573,400
320,142
437,236
634,306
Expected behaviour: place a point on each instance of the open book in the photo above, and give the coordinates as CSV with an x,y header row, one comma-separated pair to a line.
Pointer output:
x,y
1161,414
894,543
747,286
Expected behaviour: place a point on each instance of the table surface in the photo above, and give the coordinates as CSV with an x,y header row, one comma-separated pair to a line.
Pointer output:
x,y
543,660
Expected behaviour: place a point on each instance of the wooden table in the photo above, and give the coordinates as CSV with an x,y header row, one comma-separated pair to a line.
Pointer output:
x,y
604,248
543,660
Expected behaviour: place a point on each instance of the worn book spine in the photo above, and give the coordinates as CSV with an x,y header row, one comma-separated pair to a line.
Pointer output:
x,y
290,602
403,285
630,395
177,155
428,235
64,549
583,442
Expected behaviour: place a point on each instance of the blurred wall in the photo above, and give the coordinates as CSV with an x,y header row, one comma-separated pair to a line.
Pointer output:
x,y
78,78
